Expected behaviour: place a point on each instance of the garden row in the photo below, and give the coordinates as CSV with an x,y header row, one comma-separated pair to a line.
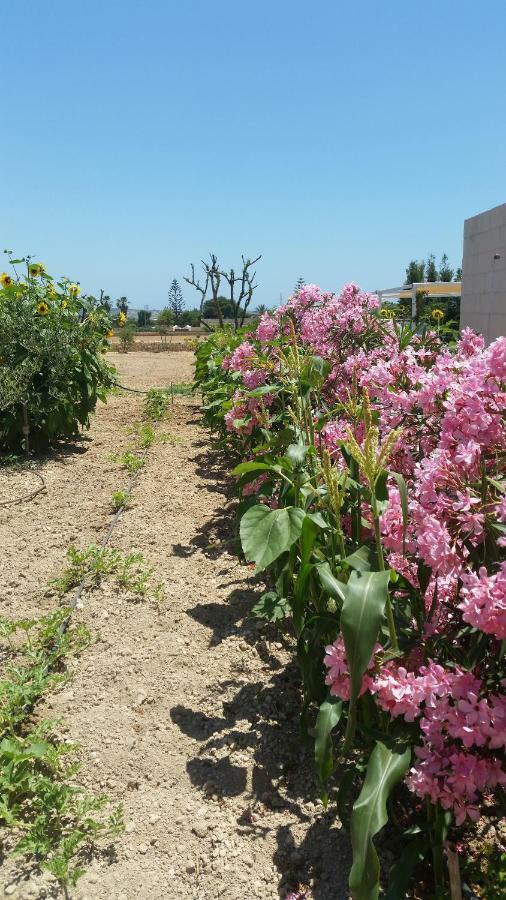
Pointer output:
x,y
370,475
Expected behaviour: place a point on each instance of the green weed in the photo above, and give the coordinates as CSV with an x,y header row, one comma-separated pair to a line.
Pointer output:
x,y
128,460
156,404
119,499
50,819
144,433
93,563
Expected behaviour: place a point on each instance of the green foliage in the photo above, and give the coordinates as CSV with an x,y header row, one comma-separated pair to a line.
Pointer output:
x,y
156,404
127,336
385,769
129,460
327,719
52,372
51,819
143,318
144,433
176,301
119,499
94,563
267,533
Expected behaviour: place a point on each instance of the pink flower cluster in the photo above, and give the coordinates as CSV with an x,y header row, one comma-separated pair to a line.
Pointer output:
x,y
454,719
484,601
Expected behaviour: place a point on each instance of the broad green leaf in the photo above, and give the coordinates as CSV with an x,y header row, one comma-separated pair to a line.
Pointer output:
x,y
267,533
403,493
326,720
271,607
369,815
361,617
329,582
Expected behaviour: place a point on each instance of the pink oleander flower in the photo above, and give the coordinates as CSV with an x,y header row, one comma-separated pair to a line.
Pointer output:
x,y
240,360
484,601
401,693
267,329
253,378
338,676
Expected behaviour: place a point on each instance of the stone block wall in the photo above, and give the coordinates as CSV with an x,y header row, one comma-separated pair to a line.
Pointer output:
x,y
483,302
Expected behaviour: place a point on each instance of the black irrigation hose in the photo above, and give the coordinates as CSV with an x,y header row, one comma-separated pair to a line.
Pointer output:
x,y
30,496
134,390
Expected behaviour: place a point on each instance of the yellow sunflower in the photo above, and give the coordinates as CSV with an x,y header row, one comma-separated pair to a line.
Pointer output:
x,y
5,280
110,333
36,269
74,290
65,304
122,319
42,308
437,314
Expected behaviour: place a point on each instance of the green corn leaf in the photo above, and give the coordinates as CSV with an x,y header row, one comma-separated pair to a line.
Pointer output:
x,y
329,582
363,560
326,720
267,533
369,815
403,493
300,592
361,617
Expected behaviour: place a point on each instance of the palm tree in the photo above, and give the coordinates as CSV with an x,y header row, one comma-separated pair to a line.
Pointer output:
x,y
122,304
260,310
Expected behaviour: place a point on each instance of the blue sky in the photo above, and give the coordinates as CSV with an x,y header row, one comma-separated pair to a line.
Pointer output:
x,y
337,139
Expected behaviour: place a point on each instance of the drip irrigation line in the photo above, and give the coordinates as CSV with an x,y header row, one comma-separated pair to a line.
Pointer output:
x,y
135,390
105,540
27,497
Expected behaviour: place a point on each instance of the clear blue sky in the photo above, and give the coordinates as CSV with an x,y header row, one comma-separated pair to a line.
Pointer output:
x,y
337,139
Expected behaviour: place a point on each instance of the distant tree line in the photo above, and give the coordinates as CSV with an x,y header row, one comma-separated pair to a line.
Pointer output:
x,y
422,270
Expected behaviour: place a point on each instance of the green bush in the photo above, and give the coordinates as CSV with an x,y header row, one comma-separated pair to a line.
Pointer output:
x,y
52,370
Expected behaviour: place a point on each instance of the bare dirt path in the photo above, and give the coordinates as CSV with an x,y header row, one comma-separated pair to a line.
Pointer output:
x,y
185,710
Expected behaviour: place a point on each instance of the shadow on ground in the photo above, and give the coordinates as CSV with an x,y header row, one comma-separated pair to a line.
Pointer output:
x,y
283,778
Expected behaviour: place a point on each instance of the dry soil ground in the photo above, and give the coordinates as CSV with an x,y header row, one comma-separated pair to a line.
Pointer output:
x,y
185,709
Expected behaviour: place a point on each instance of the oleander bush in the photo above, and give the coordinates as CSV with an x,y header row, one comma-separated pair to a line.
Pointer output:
x,y
370,474
52,369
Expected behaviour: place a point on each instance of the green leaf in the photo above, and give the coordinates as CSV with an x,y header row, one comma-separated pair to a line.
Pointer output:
x,y
369,815
267,533
300,592
318,519
403,493
326,720
271,607
363,560
329,582
401,872
361,617
308,537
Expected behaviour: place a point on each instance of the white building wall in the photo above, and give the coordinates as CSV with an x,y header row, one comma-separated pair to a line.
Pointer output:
x,y
483,302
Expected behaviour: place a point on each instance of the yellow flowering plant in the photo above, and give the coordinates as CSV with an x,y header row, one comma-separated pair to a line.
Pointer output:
x,y
51,346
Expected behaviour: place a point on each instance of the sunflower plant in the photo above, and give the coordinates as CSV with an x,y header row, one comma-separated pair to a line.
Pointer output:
x,y
52,370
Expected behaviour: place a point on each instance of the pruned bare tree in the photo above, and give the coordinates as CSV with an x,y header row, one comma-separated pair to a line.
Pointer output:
x,y
241,287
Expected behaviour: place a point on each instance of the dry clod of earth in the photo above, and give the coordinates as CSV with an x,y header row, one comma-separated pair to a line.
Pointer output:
x,y
185,709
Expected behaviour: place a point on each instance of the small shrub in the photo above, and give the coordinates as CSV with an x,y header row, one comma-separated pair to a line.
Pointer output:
x,y
127,336
119,499
156,405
